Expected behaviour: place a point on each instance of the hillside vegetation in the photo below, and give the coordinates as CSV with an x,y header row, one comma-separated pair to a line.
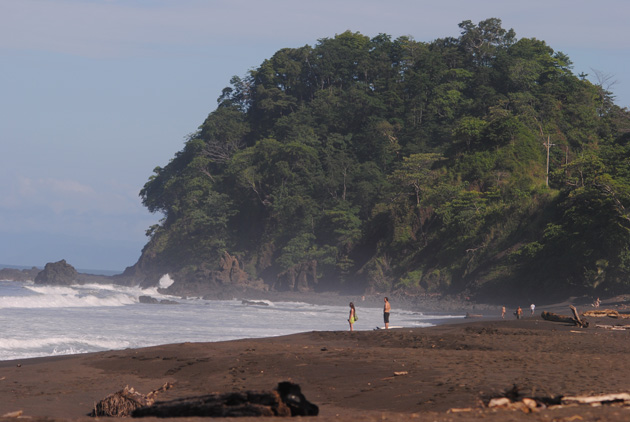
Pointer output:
x,y
391,165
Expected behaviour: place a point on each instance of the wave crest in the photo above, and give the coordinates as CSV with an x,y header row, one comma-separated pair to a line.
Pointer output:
x,y
75,296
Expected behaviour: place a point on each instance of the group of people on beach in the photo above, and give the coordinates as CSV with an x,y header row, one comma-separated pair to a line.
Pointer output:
x,y
519,311
352,318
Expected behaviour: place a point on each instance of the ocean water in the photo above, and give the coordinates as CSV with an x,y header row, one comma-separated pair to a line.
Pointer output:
x,y
38,321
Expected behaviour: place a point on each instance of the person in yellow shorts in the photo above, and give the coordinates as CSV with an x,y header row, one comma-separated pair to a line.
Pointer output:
x,y
352,317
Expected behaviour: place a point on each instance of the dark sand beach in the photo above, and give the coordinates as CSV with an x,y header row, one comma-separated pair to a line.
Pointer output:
x,y
445,373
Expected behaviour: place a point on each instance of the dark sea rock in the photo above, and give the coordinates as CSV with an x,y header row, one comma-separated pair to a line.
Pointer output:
x,y
147,299
13,274
57,273
153,301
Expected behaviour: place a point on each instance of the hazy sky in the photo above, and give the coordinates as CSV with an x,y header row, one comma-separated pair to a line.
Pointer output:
x,y
94,94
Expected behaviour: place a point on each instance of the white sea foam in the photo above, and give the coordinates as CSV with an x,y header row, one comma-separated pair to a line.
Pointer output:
x,y
65,298
14,348
258,302
43,342
59,290
87,295
166,281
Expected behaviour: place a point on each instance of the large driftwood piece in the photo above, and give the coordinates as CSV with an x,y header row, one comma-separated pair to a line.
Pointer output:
x,y
219,405
574,320
550,316
286,400
576,317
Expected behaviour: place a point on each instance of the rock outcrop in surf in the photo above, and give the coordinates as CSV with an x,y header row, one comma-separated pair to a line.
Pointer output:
x,y
14,274
58,273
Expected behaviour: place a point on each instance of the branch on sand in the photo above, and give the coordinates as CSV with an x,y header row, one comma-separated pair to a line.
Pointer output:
x,y
513,400
124,402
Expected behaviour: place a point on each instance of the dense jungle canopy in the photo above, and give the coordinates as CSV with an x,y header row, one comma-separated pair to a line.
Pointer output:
x,y
477,165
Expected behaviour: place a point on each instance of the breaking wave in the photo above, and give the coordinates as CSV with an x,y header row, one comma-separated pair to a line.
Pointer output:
x,y
89,295
53,346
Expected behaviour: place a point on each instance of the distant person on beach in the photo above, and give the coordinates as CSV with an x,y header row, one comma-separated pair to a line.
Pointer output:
x,y
596,303
503,312
518,313
386,309
532,307
352,317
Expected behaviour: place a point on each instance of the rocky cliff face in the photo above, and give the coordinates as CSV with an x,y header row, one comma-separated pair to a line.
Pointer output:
x,y
228,276
299,278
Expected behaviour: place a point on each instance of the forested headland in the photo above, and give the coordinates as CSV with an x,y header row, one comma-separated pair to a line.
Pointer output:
x,y
478,165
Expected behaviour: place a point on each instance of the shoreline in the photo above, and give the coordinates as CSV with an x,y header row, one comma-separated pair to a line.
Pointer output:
x,y
436,320
349,374
418,303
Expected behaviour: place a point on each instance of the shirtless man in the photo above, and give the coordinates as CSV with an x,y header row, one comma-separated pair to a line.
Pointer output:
x,y
386,309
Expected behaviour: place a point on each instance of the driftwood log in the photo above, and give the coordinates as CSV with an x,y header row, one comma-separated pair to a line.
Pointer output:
x,y
574,320
576,317
611,313
531,404
286,400
124,402
599,399
613,327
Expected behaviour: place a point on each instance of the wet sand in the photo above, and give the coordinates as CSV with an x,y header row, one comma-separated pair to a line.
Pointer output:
x,y
352,375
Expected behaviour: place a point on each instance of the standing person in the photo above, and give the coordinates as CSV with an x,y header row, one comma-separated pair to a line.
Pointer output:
x,y
386,309
503,312
533,308
518,313
352,317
